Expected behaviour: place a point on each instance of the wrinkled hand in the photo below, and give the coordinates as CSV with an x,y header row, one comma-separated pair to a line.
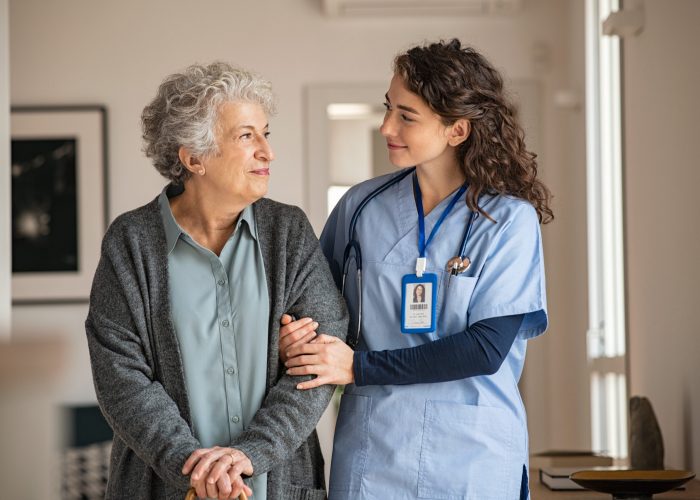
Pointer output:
x,y
327,357
295,333
216,472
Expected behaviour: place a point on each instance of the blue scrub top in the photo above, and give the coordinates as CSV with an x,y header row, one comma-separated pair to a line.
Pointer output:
x,y
465,439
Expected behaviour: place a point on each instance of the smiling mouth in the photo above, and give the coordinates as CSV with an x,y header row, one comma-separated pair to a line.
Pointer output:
x,y
261,171
394,146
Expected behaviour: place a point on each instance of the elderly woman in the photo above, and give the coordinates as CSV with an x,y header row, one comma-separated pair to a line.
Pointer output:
x,y
186,301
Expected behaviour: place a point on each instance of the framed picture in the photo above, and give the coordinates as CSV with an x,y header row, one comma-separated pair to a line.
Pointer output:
x,y
59,201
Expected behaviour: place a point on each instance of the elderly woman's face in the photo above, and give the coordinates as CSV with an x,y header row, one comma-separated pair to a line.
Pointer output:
x,y
242,167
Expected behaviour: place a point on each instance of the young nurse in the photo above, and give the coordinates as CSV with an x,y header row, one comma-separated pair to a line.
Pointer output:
x,y
431,407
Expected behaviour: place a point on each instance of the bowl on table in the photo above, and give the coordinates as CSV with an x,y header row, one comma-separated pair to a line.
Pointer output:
x,y
631,484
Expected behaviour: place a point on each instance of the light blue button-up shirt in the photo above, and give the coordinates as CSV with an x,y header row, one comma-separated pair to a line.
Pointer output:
x,y
220,310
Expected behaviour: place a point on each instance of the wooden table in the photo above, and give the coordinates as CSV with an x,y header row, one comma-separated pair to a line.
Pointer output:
x,y
539,491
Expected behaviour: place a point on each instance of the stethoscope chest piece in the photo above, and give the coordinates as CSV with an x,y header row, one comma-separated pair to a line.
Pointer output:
x,y
457,265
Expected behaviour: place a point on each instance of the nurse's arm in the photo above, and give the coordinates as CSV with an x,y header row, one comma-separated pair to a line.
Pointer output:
x,y
478,350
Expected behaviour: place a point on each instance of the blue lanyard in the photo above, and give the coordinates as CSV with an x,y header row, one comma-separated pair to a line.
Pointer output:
x,y
422,244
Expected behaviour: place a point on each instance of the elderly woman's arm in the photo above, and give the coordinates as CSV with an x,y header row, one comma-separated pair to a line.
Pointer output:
x,y
287,415
137,407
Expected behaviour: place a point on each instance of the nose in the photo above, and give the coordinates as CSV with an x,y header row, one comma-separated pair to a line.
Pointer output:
x,y
388,128
265,152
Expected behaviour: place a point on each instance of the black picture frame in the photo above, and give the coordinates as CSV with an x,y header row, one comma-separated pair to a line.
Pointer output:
x,y
59,175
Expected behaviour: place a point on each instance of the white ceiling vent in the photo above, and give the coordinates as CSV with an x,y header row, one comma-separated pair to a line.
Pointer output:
x,y
369,8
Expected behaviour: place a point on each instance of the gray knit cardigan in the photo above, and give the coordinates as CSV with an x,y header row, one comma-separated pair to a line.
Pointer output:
x,y
137,366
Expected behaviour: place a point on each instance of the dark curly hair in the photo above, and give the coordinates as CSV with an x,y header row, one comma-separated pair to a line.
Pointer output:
x,y
457,82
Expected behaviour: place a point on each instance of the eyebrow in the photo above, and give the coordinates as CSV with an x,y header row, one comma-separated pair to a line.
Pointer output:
x,y
251,127
401,106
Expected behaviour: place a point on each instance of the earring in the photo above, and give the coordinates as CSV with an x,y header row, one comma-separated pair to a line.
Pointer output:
x,y
201,171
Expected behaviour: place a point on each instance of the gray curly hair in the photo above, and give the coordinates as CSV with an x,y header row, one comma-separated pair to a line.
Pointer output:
x,y
185,110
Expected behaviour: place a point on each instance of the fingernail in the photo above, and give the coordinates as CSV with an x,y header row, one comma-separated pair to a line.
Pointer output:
x,y
315,324
299,386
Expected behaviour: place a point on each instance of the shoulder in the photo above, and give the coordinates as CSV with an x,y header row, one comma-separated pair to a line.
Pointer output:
x,y
265,207
135,225
280,220
510,211
516,228
275,214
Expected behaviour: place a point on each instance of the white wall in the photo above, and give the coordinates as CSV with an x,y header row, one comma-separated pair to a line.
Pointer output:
x,y
661,110
555,385
116,53
568,373
568,404
5,238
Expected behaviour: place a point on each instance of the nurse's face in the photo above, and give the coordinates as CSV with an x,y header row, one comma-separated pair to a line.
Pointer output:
x,y
415,135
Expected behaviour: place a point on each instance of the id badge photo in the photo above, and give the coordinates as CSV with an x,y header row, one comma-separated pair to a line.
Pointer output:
x,y
418,303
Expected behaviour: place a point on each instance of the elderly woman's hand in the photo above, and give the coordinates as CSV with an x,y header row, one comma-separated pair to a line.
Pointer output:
x,y
216,472
327,357
295,333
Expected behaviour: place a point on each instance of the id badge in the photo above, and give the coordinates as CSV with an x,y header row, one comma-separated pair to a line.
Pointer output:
x,y
418,303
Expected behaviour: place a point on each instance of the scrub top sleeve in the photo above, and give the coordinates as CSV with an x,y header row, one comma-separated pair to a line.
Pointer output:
x,y
512,279
333,241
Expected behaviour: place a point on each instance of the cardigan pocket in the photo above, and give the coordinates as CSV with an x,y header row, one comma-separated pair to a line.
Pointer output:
x,y
291,492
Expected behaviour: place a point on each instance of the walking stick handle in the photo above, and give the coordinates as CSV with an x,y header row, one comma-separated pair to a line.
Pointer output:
x,y
191,495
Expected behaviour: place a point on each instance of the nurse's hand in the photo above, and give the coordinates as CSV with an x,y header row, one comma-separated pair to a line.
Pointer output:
x,y
295,333
327,357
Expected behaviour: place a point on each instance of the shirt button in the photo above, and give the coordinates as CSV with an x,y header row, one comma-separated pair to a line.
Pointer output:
x,y
221,282
235,419
225,323
230,371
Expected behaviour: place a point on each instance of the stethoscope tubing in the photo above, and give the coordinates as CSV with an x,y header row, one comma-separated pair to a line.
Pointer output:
x,y
467,233
354,246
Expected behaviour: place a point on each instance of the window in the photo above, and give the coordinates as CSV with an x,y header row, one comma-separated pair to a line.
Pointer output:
x,y
607,330
335,193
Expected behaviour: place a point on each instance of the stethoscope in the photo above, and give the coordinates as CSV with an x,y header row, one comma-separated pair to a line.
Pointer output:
x,y
455,265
